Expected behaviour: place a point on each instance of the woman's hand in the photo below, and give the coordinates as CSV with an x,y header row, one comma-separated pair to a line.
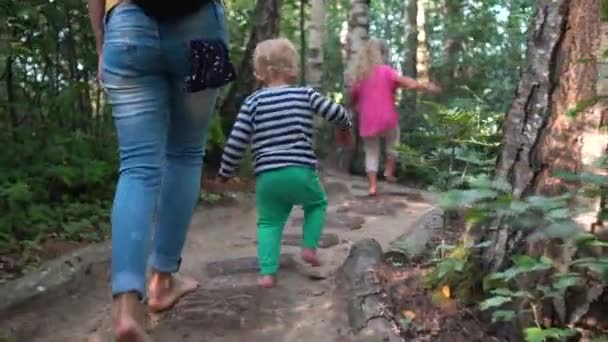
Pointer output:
x,y
100,68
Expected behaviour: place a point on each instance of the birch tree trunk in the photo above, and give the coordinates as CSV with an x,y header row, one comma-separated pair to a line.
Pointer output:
x,y
316,34
358,35
422,52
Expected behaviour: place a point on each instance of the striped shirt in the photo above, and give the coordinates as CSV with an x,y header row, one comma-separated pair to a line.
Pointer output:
x,y
278,123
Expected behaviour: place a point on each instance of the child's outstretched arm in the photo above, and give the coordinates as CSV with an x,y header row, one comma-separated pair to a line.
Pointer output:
x,y
239,140
412,84
329,110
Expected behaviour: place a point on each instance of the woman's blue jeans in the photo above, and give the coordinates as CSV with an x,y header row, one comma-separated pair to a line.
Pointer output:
x,y
162,131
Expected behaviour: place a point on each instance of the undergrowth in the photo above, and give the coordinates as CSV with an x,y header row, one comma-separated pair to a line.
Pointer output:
x,y
551,258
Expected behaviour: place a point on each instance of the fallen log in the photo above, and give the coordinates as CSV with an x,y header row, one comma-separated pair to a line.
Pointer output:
x,y
414,245
358,287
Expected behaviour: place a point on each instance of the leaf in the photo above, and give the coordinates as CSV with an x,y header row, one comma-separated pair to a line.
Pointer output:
x,y
534,335
508,293
459,198
503,315
445,291
562,230
565,281
494,302
410,315
484,244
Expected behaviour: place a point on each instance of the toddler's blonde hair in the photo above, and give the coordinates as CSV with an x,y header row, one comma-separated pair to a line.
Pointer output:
x,y
276,59
374,53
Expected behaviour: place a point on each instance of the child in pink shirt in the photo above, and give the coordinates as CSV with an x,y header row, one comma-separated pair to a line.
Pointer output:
x,y
373,94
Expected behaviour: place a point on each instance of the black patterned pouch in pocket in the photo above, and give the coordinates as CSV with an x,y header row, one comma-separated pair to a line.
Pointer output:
x,y
211,66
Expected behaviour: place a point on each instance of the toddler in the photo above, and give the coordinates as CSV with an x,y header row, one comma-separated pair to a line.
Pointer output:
x,y
278,122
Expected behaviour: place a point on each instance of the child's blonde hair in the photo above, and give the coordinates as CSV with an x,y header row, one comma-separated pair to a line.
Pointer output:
x,y
374,53
276,59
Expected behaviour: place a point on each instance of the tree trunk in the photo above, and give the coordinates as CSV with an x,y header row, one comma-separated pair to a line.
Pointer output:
x,y
358,35
410,15
10,97
453,41
422,51
315,44
598,139
265,25
302,42
539,136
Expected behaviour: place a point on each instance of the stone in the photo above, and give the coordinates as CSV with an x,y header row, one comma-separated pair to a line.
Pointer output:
x,y
339,220
244,265
326,241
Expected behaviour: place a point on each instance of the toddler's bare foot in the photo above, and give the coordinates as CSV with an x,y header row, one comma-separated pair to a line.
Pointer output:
x,y
128,319
96,338
268,281
310,256
165,291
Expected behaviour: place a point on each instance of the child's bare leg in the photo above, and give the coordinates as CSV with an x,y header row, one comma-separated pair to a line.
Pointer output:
x,y
389,172
372,178
372,159
165,290
129,318
392,143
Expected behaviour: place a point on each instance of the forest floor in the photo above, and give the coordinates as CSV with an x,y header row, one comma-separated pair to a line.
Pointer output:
x,y
229,306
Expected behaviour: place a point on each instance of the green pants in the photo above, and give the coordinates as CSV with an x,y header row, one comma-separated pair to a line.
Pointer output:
x,y
277,191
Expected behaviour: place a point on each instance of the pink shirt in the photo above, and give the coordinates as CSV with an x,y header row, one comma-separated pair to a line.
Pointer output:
x,y
374,98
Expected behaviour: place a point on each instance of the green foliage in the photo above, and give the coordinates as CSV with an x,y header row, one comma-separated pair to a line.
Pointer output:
x,y
531,277
454,144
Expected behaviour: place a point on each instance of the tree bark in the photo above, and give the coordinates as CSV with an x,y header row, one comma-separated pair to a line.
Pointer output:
x,y
422,52
410,16
315,44
265,25
452,44
540,136
358,35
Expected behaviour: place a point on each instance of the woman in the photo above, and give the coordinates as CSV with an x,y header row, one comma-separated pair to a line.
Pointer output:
x,y
152,70
373,93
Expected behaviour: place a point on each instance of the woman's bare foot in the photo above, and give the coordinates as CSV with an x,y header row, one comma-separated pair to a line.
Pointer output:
x,y
165,290
310,257
268,281
129,319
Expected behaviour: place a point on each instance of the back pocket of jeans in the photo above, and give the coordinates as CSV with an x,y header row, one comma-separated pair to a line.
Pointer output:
x,y
210,65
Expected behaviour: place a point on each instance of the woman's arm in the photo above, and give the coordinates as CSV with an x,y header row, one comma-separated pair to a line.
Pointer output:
x,y
97,10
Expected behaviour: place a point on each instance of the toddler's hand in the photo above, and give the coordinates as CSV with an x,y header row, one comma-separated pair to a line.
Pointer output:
x,y
344,137
433,88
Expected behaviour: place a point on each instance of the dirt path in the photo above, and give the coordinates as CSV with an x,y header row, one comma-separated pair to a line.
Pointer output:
x,y
221,252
